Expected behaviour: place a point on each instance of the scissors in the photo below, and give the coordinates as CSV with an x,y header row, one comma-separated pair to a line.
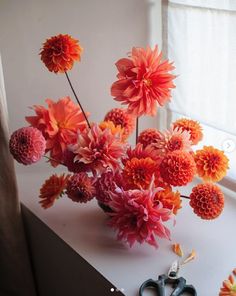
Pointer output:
x,y
178,283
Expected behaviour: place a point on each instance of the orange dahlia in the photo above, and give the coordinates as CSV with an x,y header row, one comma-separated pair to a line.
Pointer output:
x,y
169,199
149,136
144,81
60,52
52,189
192,126
207,201
228,286
115,129
138,173
177,168
59,124
121,118
211,163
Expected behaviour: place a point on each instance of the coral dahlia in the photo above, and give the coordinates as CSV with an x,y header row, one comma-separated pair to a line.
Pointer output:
x,y
98,149
60,124
207,200
192,126
137,218
60,52
27,145
211,163
144,81
173,140
177,168
80,188
52,189
121,118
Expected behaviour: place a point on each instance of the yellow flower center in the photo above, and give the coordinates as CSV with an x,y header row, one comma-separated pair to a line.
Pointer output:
x,y
147,82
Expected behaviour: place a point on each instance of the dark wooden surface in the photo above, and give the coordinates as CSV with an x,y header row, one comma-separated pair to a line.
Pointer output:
x,y
58,269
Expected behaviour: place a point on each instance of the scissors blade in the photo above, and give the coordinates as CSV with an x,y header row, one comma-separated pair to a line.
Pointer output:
x,y
174,269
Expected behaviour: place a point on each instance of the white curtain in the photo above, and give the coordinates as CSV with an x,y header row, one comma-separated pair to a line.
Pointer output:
x,y
201,41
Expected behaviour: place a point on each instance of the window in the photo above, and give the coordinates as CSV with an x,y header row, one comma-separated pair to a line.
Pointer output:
x,y
199,36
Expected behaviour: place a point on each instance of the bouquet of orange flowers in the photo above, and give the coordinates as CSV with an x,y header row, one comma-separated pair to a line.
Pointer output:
x,y
134,185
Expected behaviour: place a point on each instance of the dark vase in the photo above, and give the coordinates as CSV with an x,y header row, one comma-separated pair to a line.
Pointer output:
x,y
105,207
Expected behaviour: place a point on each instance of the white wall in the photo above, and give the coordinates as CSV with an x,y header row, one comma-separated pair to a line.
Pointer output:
x,y
107,30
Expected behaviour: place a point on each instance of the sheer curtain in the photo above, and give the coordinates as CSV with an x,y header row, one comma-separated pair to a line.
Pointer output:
x,y
200,37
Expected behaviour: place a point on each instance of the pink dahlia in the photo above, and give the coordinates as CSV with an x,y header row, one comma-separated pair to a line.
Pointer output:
x,y
137,218
27,145
144,81
80,188
172,140
98,149
107,183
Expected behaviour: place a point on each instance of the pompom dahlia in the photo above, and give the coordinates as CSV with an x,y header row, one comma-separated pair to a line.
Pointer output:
x,y
60,52
137,218
169,199
138,173
80,188
211,163
27,145
59,124
207,201
149,136
144,81
121,118
173,140
192,126
52,189
177,168
98,149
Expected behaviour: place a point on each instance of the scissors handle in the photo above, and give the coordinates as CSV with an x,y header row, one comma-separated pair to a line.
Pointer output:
x,y
159,286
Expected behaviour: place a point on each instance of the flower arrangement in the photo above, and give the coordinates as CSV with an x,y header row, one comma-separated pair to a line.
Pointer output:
x,y
134,185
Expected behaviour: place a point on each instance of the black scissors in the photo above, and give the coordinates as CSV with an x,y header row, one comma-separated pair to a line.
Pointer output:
x,y
178,283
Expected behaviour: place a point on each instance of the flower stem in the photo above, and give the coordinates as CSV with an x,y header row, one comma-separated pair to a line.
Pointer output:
x,y
76,97
185,196
52,159
136,130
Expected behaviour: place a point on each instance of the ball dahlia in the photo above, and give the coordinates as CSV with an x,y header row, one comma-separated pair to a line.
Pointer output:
x,y
60,52
52,189
177,168
121,118
27,145
207,201
144,81
149,136
211,163
192,126
80,188
137,218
